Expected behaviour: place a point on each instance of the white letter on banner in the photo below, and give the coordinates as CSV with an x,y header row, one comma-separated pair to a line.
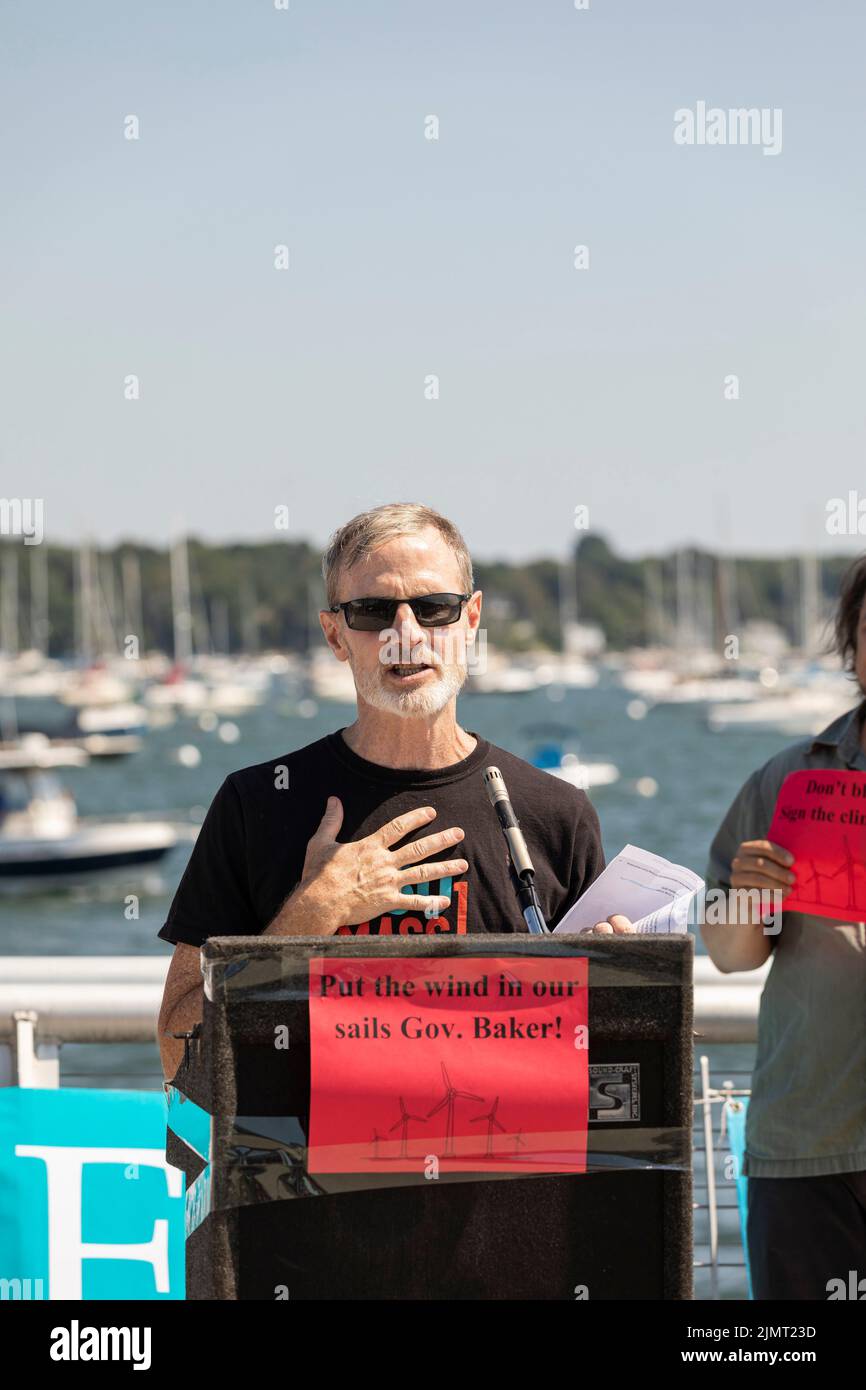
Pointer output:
x,y
66,1249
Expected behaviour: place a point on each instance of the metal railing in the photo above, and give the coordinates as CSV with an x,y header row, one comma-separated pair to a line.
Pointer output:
x,y
102,999
717,1241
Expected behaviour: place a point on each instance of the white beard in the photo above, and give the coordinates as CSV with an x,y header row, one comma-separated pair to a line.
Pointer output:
x,y
430,699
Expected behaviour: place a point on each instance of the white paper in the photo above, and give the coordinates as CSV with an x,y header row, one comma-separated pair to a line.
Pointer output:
x,y
652,892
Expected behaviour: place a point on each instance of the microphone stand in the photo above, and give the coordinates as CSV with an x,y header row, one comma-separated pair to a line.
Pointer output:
x,y
518,854
530,906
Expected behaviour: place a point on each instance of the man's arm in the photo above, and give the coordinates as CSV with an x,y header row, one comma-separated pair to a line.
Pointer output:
x,y
734,946
181,1005
749,871
183,996
760,877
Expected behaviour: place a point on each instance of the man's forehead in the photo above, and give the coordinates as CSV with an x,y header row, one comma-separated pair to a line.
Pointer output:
x,y
403,564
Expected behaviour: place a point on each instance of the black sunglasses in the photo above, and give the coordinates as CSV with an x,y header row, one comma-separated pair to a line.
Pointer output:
x,y
377,614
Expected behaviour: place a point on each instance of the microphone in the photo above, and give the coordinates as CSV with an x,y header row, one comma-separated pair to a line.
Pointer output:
x,y
530,906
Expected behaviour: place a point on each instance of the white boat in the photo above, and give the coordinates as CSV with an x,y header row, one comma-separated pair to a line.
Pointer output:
x,y
112,720
550,754
110,745
585,775
96,685
188,694
42,836
703,690
41,753
568,671
31,676
669,686
493,672
110,731
502,680
177,692
795,712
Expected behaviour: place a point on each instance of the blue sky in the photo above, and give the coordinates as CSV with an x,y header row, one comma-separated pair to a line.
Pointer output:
x,y
558,387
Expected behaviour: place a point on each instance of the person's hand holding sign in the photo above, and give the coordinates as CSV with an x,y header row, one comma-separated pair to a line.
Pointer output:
x,y
759,870
761,865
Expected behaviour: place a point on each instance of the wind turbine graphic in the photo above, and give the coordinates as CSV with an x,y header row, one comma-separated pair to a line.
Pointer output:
x,y
450,1096
519,1141
376,1140
404,1119
492,1121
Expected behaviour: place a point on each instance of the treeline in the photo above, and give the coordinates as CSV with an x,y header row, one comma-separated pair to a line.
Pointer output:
x,y
254,597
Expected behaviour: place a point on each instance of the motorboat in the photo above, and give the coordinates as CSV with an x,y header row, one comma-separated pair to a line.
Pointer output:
x,y
41,834
551,754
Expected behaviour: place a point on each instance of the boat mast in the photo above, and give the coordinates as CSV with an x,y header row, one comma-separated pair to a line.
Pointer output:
x,y
566,574
85,607
809,603
180,605
9,603
9,635
40,626
130,575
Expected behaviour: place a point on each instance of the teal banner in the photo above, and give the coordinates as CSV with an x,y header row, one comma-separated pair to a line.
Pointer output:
x,y
89,1208
735,1118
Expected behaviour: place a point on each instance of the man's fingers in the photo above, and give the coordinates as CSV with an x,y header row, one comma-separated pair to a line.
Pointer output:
x,y
422,873
401,825
616,925
621,925
768,850
420,902
760,882
430,844
331,821
760,866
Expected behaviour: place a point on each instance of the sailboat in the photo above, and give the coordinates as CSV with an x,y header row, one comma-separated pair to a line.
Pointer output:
x,y
199,683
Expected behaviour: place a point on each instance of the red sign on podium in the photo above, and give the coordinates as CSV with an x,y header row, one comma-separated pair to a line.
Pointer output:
x,y
464,1064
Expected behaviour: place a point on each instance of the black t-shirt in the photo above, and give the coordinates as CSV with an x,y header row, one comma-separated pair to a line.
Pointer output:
x,y
250,851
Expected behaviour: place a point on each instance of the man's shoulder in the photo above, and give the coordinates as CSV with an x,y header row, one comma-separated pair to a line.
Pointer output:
x,y
797,756
539,789
274,772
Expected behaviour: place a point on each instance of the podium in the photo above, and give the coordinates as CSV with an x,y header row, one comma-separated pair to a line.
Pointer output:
x,y
262,1223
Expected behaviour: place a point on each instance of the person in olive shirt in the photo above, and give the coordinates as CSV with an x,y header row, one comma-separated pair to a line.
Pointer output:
x,y
806,1125
383,826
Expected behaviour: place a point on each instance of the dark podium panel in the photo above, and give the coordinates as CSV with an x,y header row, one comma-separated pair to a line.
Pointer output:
x,y
621,1230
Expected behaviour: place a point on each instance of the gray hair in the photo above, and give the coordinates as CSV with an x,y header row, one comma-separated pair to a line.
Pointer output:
x,y
367,531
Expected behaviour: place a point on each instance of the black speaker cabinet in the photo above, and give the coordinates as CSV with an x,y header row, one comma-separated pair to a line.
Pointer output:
x,y
620,1230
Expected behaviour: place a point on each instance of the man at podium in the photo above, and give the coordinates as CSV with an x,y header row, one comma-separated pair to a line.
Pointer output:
x,y
383,827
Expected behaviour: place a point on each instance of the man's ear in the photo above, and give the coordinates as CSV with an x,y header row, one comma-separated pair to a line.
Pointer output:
x,y
330,625
473,610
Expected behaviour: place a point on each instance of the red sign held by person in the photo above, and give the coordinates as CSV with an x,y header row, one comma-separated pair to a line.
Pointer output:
x,y
468,1064
820,817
